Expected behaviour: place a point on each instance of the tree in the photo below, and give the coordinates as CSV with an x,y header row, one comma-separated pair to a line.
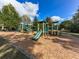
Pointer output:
x,y
75,28
49,21
66,25
9,17
26,19
75,18
35,23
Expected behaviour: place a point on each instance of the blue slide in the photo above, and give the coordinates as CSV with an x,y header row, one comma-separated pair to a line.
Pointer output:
x,y
37,35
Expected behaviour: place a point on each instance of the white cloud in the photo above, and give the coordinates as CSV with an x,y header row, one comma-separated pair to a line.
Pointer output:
x,y
31,8
26,8
56,18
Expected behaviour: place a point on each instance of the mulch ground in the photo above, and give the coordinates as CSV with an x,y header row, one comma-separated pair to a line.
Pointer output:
x,y
49,47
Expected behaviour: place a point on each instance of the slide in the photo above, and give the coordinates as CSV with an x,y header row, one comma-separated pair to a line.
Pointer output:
x,y
37,35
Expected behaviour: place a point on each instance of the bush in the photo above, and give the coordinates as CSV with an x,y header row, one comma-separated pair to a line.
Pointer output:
x,y
75,28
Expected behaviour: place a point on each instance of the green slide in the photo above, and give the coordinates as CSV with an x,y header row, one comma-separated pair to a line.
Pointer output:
x,y
37,35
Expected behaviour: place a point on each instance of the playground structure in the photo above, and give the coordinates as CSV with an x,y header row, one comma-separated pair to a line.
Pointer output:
x,y
25,27
43,29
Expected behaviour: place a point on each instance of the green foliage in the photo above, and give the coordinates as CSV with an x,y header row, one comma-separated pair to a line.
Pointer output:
x,y
77,14
9,17
35,23
66,24
73,24
75,28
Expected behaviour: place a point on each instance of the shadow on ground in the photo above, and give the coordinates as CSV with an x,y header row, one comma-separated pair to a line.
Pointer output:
x,y
26,43
9,52
72,44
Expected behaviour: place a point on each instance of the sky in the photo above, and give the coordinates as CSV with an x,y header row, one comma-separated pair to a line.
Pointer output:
x,y
59,8
56,9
